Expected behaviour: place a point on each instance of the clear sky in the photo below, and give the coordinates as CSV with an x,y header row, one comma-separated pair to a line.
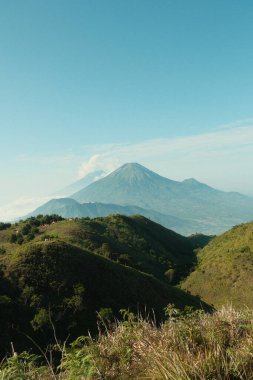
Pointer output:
x,y
88,83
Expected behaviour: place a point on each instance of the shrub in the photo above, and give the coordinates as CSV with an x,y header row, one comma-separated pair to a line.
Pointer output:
x,y
189,345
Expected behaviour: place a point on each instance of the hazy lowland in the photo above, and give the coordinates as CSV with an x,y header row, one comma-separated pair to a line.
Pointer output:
x,y
93,287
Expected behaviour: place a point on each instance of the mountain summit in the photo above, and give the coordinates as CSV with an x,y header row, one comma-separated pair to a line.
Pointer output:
x,y
134,173
131,184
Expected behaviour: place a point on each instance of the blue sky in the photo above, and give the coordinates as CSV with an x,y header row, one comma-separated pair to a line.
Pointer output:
x,y
87,84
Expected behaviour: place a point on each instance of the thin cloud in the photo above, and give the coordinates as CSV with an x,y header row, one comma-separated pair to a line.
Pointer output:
x,y
98,162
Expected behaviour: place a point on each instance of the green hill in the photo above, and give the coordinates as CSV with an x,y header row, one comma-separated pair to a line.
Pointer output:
x,y
225,269
134,241
53,275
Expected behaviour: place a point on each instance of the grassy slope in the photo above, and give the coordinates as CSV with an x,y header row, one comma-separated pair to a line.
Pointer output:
x,y
58,275
189,346
150,247
50,266
225,269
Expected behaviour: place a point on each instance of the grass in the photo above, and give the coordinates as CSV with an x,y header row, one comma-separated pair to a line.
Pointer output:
x,y
54,280
68,270
188,346
225,268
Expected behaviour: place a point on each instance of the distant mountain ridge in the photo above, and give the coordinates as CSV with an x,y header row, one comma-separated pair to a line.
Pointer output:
x,y
69,208
195,206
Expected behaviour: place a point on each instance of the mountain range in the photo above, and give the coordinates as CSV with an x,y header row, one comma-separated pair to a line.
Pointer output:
x,y
186,207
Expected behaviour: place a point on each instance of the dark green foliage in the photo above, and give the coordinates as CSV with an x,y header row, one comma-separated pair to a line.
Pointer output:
x,y
200,240
30,236
26,229
7,314
40,219
53,275
4,226
13,238
134,241
57,284
2,250
20,239
105,314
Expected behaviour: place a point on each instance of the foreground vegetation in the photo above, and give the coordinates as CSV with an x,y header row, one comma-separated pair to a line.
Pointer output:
x,y
85,280
188,345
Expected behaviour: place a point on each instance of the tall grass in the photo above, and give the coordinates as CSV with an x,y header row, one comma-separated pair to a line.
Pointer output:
x,y
188,346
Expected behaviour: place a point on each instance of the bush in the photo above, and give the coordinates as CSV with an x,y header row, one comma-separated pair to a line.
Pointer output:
x,y
13,238
189,345
26,229
2,251
4,226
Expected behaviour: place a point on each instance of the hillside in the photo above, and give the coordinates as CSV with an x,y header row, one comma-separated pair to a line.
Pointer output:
x,y
134,241
53,274
225,269
207,210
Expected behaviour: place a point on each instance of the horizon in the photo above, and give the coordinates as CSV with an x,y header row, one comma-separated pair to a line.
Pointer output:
x,y
89,86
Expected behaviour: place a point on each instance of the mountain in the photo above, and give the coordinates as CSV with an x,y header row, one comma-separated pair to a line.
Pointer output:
x,y
225,269
81,183
131,184
69,208
207,210
61,273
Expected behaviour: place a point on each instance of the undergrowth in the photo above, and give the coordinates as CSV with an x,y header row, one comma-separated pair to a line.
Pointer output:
x,y
190,345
